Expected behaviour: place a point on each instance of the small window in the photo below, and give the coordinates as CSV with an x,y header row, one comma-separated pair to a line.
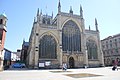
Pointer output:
x,y
103,46
115,40
111,45
110,41
5,22
0,35
106,46
37,34
116,44
116,50
36,47
106,42
1,21
43,20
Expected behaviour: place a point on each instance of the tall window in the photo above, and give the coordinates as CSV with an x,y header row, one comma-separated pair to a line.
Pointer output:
x,y
1,35
48,47
92,49
71,38
1,21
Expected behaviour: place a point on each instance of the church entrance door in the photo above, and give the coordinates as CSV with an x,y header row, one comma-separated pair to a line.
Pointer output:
x,y
71,62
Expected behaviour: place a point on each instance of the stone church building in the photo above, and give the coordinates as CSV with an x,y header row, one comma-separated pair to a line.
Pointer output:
x,y
63,39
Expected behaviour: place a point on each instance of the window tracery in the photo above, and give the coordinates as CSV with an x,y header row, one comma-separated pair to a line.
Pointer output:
x,y
48,47
71,38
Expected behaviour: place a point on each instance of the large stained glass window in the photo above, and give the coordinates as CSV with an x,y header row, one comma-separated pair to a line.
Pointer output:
x,y
71,38
92,49
48,47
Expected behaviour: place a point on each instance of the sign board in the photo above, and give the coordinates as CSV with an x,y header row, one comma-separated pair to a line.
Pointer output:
x,y
47,63
41,64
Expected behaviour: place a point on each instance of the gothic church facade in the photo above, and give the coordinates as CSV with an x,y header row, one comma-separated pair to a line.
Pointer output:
x,y
63,39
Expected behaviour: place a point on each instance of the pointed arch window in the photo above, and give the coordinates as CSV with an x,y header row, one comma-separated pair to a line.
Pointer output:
x,y
71,38
92,49
48,47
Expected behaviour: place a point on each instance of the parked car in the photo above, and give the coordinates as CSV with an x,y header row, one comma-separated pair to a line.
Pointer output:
x,y
23,65
18,65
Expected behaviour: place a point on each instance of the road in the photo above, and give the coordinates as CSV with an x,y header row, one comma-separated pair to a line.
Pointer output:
x,y
58,74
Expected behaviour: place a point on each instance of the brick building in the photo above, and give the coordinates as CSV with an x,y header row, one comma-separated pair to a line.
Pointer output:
x,y
3,20
24,51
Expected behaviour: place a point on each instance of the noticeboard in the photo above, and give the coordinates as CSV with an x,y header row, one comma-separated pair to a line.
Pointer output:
x,y
41,64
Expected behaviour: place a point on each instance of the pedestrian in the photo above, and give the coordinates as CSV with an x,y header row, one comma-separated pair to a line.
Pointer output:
x,y
115,63
64,67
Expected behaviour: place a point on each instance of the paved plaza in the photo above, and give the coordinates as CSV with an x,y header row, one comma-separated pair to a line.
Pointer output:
x,y
103,73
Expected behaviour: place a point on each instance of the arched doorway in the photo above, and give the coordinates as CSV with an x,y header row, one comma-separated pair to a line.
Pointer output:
x,y
71,62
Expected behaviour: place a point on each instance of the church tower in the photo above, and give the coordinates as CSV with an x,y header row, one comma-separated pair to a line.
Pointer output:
x,y
3,20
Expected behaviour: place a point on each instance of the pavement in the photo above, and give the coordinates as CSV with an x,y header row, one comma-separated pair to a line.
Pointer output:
x,y
103,73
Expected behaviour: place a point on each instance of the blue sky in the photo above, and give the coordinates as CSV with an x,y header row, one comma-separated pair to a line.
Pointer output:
x,y
20,14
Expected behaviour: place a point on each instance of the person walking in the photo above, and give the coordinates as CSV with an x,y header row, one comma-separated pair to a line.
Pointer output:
x,y
115,64
64,66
